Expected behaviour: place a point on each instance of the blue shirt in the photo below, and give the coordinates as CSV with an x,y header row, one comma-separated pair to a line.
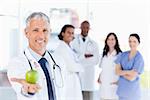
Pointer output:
x,y
130,89
47,57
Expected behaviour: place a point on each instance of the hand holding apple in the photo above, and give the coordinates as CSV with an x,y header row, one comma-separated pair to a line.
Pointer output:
x,y
32,76
27,87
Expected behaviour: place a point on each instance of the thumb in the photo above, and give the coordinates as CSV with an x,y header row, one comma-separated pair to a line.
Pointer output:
x,y
21,81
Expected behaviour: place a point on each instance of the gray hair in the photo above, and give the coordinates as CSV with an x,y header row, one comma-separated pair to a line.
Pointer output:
x,y
36,15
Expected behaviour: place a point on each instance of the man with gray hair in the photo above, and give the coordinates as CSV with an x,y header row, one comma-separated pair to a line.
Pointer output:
x,y
37,62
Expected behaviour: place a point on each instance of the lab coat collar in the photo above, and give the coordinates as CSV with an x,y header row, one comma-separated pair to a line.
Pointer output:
x,y
65,44
31,58
87,38
34,57
29,55
112,54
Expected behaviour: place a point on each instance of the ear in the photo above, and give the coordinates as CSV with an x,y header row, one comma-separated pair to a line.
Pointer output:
x,y
63,33
26,32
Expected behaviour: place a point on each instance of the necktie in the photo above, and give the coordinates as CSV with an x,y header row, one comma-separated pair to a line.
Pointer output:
x,y
51,94
83,39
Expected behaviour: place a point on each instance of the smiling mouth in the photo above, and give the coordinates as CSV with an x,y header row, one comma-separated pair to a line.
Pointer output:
x,y
40,41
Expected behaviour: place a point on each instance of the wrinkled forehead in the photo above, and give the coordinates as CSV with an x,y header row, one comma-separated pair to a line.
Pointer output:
x,y
39,23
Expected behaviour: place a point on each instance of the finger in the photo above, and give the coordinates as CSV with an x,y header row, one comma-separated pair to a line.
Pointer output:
x,y
21,81
25,88
38,86
32,89
16,80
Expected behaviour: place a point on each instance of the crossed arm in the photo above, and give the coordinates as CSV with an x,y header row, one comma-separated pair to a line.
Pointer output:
x,y
127,74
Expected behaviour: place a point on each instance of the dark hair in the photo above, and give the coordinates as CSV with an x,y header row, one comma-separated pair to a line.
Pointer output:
x,y
64,29
85,22
136,36
106,47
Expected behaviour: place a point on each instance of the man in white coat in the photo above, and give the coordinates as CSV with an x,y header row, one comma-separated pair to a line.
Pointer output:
x,y
36,57
88,55
73,67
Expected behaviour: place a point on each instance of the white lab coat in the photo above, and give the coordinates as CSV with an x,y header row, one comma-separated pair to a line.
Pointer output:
x,y
90,65
107,76
18,67
72,82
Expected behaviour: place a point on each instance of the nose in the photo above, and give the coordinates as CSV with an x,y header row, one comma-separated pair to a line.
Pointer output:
x,y
72,35
41,34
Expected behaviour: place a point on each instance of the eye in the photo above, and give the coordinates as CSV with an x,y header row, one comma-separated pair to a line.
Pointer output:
x,y
130,41
113,39
35,30
134,41
45,31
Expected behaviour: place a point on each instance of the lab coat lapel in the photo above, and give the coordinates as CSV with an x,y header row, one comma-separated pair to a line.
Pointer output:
x,y
31,58
112,54
34,63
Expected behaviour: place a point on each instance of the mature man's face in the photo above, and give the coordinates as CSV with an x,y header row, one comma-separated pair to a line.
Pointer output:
x,y
38,32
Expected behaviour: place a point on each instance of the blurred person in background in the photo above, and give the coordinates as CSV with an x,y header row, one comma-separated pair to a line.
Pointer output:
x,y
88,54
108,78
73,68
129,66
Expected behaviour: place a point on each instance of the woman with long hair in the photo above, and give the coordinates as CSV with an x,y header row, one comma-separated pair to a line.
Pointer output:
x,y
108,79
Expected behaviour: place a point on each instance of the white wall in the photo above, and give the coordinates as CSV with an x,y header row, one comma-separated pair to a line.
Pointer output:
x,y
120,16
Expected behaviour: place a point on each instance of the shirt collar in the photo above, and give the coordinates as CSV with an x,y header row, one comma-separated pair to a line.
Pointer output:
x,y
86,38
35,55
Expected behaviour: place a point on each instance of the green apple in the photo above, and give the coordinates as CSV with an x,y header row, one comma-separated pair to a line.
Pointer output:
x,y
32,76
